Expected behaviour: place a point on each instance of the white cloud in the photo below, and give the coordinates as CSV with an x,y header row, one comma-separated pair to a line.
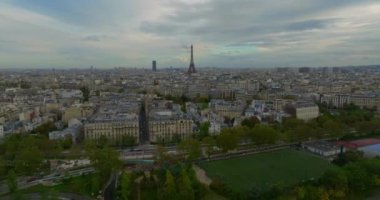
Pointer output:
x,y
224,32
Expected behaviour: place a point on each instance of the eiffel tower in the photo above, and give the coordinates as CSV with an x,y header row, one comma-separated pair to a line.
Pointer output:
x,y
192,66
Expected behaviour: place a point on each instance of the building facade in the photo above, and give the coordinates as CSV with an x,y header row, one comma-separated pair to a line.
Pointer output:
x,y
167,130
307,111
166,122
112,130
366,101
231,109
72,132
361,100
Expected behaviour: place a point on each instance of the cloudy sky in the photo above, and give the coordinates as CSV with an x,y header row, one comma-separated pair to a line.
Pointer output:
x,y
225,33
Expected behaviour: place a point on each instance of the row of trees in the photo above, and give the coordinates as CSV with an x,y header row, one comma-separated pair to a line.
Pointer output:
x,y
359,177
44,129
230,138
126,141
336,183
126,184
345,122
342,123
348,121
24,154
180,188
349,116
104,159
292,129
177,182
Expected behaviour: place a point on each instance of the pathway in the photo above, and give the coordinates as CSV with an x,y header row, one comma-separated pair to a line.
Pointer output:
x,y
201,175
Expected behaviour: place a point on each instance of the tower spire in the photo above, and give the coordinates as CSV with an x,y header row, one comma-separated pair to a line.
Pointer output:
x,y
192,66
192,56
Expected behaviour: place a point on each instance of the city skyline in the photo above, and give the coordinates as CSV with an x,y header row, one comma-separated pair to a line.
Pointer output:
x,y
66,34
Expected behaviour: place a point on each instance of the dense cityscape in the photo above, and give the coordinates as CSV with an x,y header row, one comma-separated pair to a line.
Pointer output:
x,y
189,100
131,124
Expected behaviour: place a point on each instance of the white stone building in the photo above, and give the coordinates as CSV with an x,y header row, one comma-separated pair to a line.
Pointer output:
x,y
166,124
307,111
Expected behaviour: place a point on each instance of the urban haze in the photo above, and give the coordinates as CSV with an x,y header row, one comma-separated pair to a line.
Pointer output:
x,y
190,100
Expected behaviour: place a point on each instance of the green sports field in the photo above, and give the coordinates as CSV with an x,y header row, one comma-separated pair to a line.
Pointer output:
x,y
284,167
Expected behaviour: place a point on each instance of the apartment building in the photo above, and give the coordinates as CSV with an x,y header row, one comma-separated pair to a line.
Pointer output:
x,y
166,121
307,111
231,109
114,120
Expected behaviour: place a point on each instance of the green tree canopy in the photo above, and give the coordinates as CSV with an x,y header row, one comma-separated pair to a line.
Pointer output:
x,y
185,190
335,179
203,130
168,190
210,144
128,140
190,147
28,160
250,122
126,186
105,160
12,182
44,129
227,140
359,180
263,134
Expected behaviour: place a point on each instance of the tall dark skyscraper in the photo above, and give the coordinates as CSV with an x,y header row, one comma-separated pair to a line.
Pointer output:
x,y
192,66
154,65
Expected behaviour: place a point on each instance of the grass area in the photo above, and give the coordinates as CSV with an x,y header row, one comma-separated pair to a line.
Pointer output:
x,y
149,193
213,196
285,167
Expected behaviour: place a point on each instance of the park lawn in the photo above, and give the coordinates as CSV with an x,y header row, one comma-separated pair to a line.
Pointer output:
x,y
148,193
213,196
151,194
284,168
